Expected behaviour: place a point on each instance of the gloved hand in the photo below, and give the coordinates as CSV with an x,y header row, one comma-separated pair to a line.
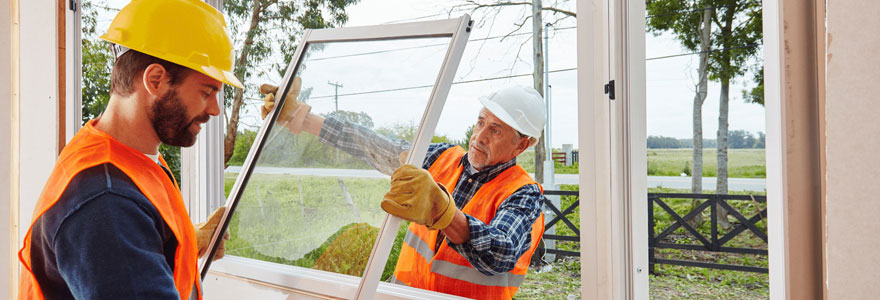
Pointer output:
x,y
294,112
415,197
205,230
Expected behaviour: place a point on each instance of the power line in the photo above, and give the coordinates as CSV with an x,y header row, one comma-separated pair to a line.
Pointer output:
x,y
431,85
700,52
430,45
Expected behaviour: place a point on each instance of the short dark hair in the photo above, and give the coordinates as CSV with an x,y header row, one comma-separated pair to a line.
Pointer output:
x,y
132,64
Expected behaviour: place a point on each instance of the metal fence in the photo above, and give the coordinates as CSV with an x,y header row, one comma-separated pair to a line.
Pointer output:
x,y
715,242
560,218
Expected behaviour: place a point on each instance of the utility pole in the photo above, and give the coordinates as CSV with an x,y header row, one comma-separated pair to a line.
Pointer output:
x,y
547,130
336,95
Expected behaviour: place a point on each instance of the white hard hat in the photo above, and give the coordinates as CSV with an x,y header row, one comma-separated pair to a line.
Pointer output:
x,y
519,107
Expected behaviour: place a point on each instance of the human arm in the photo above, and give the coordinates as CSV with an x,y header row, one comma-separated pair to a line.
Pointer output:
x,y
112,247
495,247
382,153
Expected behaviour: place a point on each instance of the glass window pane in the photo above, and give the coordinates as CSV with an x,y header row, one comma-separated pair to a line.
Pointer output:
x,y
313,198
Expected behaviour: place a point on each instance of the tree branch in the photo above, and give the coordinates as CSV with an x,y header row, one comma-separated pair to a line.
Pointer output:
x,y
477,6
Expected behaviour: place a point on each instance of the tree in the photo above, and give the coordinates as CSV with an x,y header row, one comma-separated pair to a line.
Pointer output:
x,y
261,28
693,28
662,142
559,12
731,47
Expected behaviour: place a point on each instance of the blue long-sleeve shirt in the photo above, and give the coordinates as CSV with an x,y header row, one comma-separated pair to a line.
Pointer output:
x,y
103,239
495,247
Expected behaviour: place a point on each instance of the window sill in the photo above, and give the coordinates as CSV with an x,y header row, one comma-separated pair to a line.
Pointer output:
x,y
308,282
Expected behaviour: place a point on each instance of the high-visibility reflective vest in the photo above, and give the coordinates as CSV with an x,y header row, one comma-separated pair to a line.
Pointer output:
x,y
91,147
443,269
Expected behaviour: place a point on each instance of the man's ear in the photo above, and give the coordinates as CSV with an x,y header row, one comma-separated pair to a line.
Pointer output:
x,y
523,144
153,79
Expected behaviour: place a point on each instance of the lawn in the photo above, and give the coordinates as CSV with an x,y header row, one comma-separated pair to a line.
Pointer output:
x,y
561,279
308,221
741,163
323,232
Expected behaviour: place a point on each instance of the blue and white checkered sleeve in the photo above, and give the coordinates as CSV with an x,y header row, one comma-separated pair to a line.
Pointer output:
x,y
494,248
380,152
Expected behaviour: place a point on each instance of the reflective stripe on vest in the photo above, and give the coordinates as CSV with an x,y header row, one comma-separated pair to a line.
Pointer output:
x,y
460,272
91,147
444,270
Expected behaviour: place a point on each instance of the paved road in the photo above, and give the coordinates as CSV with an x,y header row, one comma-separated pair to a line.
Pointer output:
x,y
734,184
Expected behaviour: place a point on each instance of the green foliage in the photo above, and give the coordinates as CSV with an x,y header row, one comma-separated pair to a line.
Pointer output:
x,y
359,118
273,223
265,35
97,63
756,94
242,145
466,142
663,142
736,36
563,281
402,131
171,155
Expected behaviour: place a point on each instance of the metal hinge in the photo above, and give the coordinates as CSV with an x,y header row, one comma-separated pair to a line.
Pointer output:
x,y
73,5
470,24
609,89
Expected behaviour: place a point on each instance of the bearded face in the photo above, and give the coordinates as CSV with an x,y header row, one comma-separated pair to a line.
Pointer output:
x,y
172,123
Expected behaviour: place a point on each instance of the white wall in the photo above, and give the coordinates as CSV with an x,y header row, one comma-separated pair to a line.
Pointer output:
x,y
38,107
6,256
853,139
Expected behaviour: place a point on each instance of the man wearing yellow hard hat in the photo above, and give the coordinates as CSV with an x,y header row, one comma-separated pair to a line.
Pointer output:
x,y
110,222
475,215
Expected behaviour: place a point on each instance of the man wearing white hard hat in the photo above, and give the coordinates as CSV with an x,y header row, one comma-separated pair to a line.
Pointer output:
x,y
475,215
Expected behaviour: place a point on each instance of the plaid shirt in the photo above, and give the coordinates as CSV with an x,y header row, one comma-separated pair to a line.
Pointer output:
x,y
493,248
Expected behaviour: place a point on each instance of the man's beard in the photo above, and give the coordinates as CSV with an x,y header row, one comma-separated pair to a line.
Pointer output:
x,y
169,119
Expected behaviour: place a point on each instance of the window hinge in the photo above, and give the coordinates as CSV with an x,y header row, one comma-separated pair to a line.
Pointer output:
x,y
609,89
73,5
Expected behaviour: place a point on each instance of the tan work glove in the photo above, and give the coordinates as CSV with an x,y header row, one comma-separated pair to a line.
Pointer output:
x,y
205,230
415,197
294,113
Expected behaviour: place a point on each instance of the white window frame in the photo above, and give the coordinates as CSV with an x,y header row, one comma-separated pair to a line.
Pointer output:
x,y
201,181
614,240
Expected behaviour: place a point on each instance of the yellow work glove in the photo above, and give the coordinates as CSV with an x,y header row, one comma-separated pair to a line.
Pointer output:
x,y
205,230
415,197
294,113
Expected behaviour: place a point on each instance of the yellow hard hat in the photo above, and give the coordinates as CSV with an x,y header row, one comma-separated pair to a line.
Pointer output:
x,y
190,33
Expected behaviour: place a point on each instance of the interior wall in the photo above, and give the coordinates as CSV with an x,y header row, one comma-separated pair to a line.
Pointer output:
x,y
39,101
6,256
853,139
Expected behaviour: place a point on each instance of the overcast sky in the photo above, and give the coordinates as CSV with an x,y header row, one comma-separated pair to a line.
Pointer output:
x,y
670,81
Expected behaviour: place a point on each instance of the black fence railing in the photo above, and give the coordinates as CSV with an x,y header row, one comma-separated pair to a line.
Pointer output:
x,y
716,241
560,218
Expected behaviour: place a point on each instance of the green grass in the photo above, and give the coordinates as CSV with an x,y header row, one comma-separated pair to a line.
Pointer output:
x,y
562,280
324,239
677,282
527,161
741,163
275,226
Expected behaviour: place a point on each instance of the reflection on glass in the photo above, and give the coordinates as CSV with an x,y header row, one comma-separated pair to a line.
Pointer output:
x,y
313,199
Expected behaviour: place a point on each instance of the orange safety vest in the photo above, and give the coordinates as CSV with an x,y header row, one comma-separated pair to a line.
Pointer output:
x,y
444,270
91,147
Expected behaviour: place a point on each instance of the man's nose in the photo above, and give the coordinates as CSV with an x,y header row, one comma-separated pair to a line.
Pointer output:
x,y
213,108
